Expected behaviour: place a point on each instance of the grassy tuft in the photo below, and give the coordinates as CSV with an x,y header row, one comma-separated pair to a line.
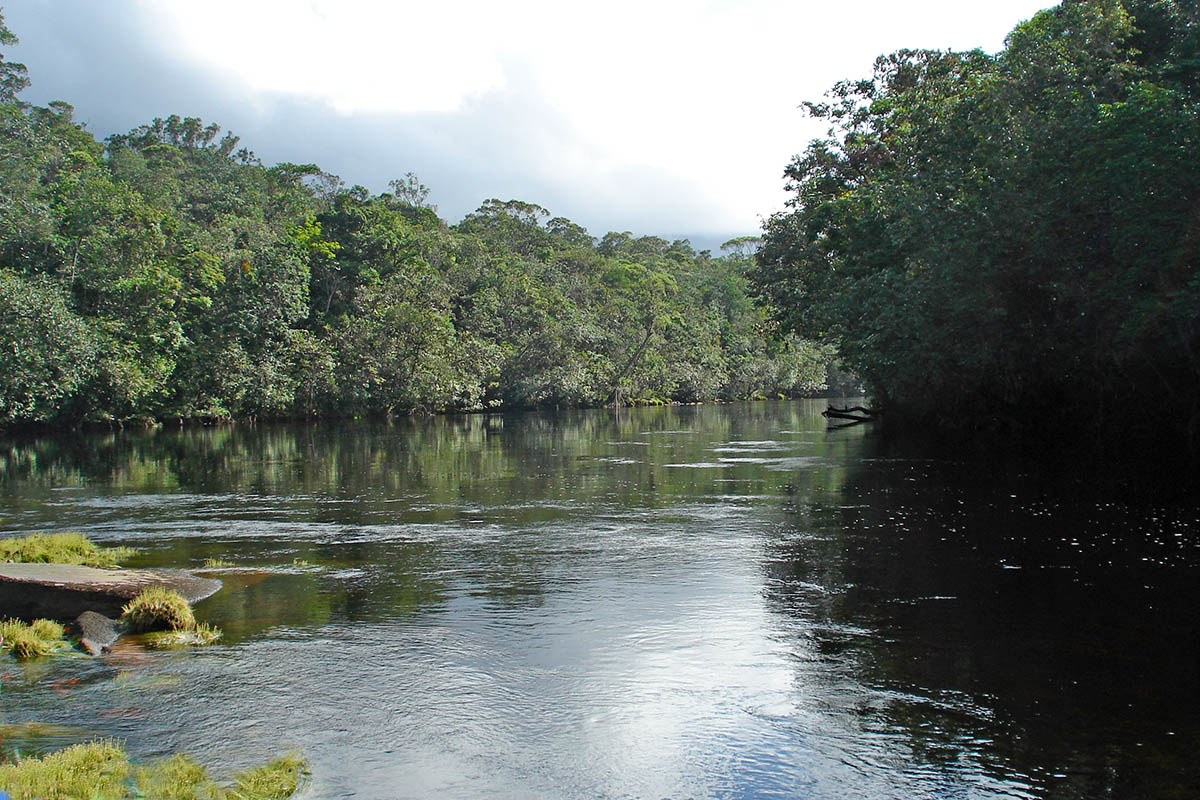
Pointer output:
x,y
217,563
157,609
275,780
41,638
81,772
48,629
61,548
176,778
101,771
202,634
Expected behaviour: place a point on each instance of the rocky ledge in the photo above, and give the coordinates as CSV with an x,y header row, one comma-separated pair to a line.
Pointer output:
x,y
64,591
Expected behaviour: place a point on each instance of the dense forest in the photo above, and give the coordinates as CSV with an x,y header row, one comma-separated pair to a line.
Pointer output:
x,y
167,273
1013,240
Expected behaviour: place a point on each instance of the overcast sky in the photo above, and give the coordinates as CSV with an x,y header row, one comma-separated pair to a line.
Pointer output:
x,y
657,117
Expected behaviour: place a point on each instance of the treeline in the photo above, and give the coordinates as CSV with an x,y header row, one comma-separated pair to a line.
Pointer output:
x,y
168,273
1011,240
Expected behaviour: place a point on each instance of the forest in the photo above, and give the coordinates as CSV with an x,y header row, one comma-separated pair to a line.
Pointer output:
x,y
1010,241
1003,241
168,274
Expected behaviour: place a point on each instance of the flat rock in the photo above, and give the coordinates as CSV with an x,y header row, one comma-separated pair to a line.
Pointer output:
x,y
96,632
64,591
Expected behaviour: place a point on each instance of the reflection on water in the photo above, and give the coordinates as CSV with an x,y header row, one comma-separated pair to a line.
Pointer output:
x,y
681,602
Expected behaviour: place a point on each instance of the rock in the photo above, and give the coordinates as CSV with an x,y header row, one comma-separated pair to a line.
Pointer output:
x,y
64,591
96,632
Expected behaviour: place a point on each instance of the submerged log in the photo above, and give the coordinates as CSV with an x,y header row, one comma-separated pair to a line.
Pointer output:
x,y
855,414
64,591
833,410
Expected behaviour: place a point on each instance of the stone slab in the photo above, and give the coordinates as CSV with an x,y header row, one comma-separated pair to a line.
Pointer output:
x,y
64,591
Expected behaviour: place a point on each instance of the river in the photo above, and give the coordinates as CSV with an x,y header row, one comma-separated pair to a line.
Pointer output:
x,y
715,601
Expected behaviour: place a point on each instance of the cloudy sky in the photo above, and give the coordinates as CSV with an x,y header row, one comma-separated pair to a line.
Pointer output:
x,y
653,116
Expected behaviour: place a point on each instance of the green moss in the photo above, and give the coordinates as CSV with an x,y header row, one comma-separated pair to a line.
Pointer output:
x,y
61,548
92,771
41,638
158,609
101,771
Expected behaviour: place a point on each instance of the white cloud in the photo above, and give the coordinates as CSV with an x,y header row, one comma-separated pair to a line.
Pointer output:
x,y
645,115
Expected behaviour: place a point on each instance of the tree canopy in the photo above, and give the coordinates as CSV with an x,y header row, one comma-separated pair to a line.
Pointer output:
x,y
1009,239
168,273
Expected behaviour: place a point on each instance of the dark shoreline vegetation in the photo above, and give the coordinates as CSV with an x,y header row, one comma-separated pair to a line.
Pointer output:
x,y
1008,243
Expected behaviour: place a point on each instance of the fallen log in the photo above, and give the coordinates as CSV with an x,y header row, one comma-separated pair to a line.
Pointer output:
x,y
833,410
844,415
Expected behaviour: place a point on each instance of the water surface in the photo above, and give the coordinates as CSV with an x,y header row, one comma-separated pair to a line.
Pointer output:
x,y
716,601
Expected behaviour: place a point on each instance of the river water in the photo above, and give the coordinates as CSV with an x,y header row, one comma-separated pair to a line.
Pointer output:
x,y
716,601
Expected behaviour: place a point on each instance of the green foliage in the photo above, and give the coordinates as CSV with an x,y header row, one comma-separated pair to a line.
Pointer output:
x,y
177,778
70,547
47,352
47,630
199,635
1008,237
92,771
275,780
157,609
167,274
41,637
101,770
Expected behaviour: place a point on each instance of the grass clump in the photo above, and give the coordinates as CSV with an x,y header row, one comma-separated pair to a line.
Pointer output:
x,y
217,563
40,638
71,547
176,778
158,609
275,780
81,772
166,618
48,629
101,771
202,634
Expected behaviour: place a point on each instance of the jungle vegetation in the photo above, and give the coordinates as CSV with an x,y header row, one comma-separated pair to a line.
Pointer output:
x,y
168,273
1010,241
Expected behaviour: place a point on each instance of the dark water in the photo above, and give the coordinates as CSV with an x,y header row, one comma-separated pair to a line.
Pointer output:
x,y
689,602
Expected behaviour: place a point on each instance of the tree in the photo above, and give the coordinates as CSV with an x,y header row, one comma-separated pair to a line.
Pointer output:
x,y
47,352
1006,237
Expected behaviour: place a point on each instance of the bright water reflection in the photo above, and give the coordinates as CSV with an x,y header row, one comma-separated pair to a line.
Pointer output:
x,y
690,602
